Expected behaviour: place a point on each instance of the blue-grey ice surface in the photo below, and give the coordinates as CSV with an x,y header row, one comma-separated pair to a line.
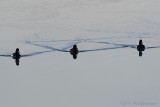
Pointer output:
x,y
108,71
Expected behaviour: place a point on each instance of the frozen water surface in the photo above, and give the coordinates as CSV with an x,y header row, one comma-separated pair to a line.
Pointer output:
x,y
108,70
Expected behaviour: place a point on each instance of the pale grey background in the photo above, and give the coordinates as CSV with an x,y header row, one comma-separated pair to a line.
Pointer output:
x,y
106,78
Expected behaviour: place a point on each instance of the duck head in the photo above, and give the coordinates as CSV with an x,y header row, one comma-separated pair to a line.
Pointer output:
x,y
17,50
74,46
140,42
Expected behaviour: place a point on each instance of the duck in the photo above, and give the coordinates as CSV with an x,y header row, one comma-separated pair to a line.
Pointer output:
x,y
74,51
16,55
140,47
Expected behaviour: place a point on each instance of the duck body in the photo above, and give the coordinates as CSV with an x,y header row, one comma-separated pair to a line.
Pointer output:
x,y
140,47
74,50
16,55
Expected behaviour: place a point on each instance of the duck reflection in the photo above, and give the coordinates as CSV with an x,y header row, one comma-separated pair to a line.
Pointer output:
x,y
140,47
74,51
16,56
